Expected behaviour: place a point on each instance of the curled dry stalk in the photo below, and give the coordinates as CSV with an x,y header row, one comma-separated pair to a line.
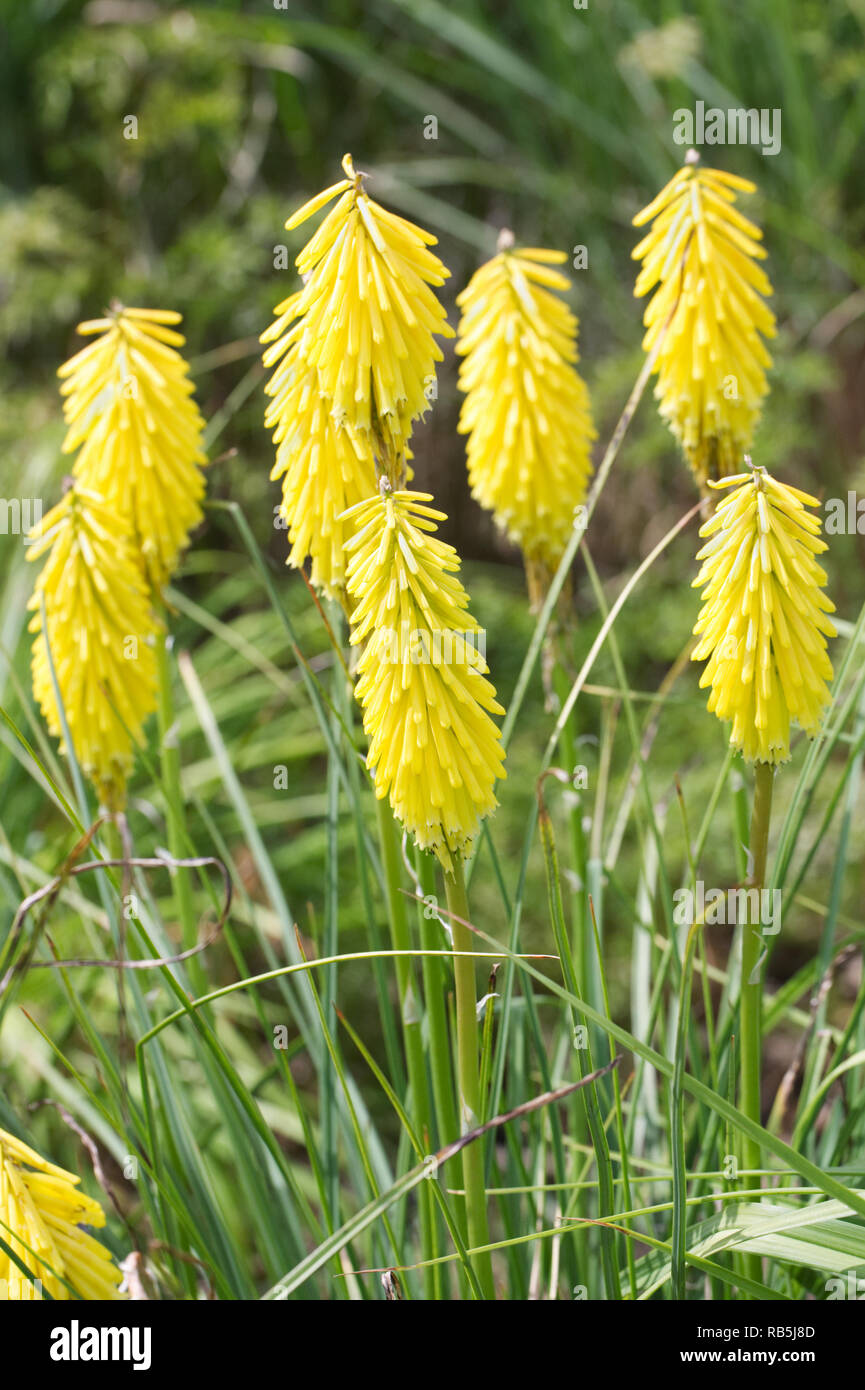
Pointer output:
x,y
51,890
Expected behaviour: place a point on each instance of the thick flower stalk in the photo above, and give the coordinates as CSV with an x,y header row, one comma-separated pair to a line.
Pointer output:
x,y
706,319
101,633
763,624
527,410
128,405
367,317
427,705
41,1219
325,469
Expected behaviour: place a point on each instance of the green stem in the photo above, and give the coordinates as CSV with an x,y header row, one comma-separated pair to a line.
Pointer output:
x,y
341,697
444,1110
178,838
579,911
579,914
434,979
677,1124
594,1118
751,989
751,1000
468,1075
410,1018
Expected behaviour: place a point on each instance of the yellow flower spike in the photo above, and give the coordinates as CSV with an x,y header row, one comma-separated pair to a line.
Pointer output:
x,y
325,469
366,318
101,632
762,625
700,257
128,404
42,1214
526,411
433,746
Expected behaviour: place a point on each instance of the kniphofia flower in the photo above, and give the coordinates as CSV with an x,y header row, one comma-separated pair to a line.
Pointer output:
x,y
42,1214
101,632
702,255
527,410
366,318
427,705
325,469
128,405
763,623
